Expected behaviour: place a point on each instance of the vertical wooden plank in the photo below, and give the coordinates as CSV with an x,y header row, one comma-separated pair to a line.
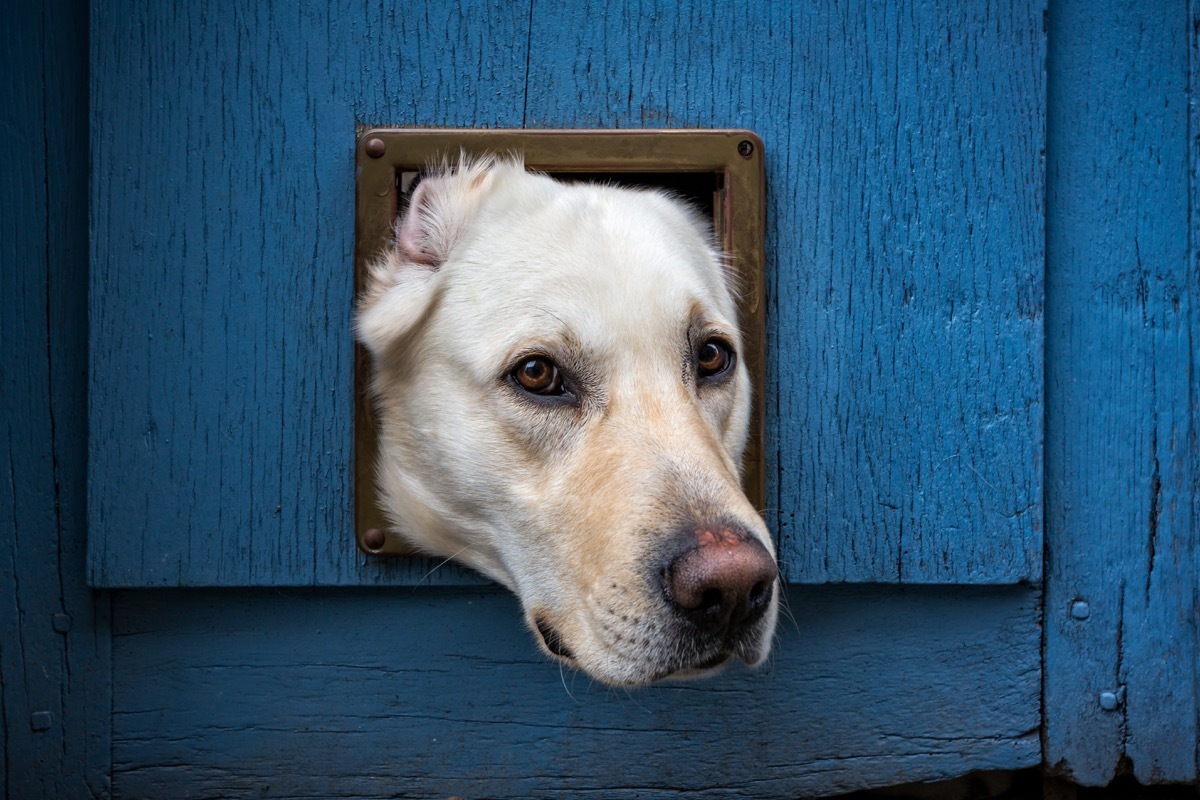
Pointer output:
x,y
55,672
1122,465
1193,224
909,306
220,346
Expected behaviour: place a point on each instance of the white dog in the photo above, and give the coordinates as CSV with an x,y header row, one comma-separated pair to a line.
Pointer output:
x,y
563,408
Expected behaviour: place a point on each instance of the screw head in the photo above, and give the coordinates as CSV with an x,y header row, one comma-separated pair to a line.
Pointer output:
x,y
745,148
374,147
373,539
1109,701
1080,609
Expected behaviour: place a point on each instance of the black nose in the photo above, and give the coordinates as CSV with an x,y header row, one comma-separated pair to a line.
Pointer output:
x,y
720,577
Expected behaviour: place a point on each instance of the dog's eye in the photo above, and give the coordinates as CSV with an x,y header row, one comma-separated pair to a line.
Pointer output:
x,y
538,375
714,358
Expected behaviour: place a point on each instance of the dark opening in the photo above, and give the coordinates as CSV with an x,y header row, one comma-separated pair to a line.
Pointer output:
x,y
699,189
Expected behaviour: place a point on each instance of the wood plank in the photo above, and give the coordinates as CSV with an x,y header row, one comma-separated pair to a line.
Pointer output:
x,y
54,638
440,692
1123,469
903,148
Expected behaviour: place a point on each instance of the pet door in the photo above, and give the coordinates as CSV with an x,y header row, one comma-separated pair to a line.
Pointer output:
x,y
720,172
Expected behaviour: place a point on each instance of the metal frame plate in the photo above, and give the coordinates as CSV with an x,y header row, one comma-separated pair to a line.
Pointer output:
x,y
734,157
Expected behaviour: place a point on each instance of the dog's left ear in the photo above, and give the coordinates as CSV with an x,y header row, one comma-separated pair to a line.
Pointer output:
x,y
401,286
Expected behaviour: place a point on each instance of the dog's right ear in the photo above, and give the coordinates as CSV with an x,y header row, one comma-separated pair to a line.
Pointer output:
x,y
401,286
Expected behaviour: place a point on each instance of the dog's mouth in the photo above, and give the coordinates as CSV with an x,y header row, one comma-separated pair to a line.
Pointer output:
x,y
666,648
684,665
712,663
552,639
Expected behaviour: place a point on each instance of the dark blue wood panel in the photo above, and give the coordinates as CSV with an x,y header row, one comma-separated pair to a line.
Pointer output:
x,y
54,637
905,184
439,693
1123,393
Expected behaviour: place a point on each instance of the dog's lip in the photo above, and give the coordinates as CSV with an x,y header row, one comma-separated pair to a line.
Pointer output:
x,y
693,670
717,660
743,648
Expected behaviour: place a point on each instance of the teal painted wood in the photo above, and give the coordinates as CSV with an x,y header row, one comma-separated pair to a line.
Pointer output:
x,y
905,185
54,637
440,693
1123,469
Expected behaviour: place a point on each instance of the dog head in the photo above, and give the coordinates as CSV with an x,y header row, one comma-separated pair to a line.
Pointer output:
x,y
563,407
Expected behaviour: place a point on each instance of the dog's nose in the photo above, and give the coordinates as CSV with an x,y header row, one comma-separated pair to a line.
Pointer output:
x,y
720,578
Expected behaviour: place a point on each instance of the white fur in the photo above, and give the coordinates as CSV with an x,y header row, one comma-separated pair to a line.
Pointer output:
x,y
565,506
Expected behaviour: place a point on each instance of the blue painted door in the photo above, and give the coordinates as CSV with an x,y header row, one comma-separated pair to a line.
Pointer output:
x,y
974,250
903,150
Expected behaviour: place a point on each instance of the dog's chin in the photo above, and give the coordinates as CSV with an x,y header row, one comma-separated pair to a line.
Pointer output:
x,y
680,663
634,675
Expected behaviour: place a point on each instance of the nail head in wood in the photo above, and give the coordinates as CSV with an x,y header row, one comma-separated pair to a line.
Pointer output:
x,y
375,148
373,539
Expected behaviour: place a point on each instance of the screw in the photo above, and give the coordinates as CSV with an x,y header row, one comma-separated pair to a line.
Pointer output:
x,y
41,720
1111,701
1080,609
62,623
375,147
745,148
373,539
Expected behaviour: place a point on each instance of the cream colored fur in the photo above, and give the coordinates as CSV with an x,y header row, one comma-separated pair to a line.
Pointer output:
x,y
568,505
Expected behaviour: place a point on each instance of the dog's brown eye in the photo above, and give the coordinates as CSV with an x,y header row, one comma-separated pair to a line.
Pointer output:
x,y
714,358
538,375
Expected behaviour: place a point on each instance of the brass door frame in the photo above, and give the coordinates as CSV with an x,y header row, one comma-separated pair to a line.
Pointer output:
x,y
735,157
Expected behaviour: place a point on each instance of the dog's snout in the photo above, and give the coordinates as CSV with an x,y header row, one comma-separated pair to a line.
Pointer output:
x,y
721,577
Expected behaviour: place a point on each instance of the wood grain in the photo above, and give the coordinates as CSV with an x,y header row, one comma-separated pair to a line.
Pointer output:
x,y
905,184
438,693
54,637
1123,469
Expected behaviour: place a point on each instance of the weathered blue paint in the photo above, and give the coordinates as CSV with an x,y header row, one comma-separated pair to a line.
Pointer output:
x,y
379,693
904,176
439,693
54,637
1123,392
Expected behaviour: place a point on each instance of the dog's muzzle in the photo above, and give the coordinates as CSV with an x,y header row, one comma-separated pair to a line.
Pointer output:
x,y
709,596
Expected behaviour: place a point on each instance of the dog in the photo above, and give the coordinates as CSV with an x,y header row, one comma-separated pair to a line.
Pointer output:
x,y
563,408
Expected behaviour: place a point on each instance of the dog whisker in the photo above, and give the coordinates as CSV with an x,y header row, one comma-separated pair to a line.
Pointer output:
x,y
785,608
441,564
563,680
